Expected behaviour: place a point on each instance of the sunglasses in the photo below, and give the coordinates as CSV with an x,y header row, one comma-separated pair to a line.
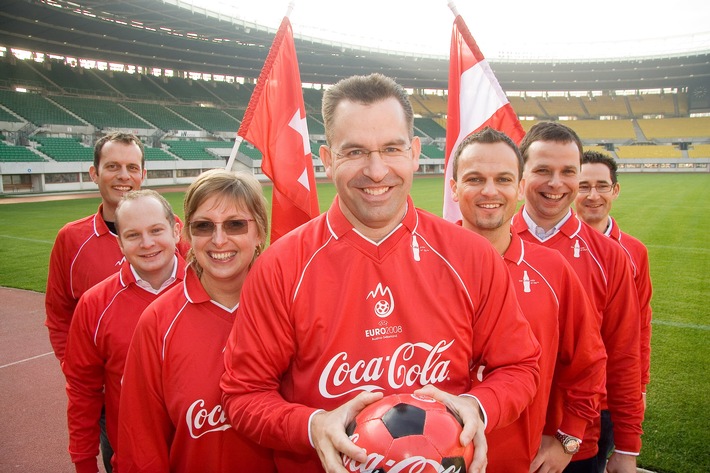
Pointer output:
x,y
205,228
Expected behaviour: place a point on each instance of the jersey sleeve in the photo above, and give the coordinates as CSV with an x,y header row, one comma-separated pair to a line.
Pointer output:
x,y
504,347
84,371
620,332
145,430
59,302
254,366
581,358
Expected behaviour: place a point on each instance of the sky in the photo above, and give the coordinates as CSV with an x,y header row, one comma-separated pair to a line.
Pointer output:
x,y
503,29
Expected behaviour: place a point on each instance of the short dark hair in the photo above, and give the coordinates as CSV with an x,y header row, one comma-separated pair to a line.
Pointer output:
x,y
490,136
365,90
120,137
550,131
592,156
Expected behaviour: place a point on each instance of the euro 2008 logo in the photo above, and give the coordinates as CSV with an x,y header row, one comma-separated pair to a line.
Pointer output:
x,y
384,304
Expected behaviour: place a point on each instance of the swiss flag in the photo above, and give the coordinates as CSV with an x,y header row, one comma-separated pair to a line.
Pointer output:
x,y
476,101
275,122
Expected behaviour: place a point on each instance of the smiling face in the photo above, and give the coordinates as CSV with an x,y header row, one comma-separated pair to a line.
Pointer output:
x,y
593,207
550,180
372,189
487,186
225,259
119,171
148,239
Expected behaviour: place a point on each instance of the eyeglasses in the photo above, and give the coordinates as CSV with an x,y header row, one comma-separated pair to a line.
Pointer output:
x,y
386,152
601,188
206,228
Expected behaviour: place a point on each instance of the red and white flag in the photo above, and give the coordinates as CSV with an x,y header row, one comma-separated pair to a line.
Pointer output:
x,y
475,101
275,123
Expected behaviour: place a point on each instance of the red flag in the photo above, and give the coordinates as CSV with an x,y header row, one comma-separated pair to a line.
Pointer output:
x,y
275,123
476,101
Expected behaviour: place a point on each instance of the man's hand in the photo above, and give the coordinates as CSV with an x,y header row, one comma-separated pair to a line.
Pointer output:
x,y
328,433
551,457
469,411
620,463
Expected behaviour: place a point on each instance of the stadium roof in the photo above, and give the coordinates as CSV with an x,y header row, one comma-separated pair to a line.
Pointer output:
x,y
170,35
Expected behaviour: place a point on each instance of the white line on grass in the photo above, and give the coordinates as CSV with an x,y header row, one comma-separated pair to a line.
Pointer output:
x,y
680,324
26,359
27,239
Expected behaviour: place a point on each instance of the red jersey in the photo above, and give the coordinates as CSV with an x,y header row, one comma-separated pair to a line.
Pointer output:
x,y
605,274
85,252
171,418
572,360
327,313
638,256
99,336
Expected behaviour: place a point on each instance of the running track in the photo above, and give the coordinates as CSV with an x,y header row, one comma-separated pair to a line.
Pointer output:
x,y
33,431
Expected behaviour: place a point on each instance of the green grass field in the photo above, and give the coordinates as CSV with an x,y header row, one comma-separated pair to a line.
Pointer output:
x,y
669,212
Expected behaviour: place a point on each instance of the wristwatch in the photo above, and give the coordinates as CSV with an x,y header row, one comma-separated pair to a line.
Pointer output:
x,y
569,444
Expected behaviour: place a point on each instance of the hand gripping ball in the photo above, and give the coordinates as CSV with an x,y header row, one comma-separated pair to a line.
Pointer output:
x,y
404,433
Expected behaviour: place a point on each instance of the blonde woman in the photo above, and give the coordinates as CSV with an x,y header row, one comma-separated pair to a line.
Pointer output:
x,y
171,418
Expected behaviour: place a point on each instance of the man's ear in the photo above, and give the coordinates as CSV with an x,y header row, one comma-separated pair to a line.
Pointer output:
x,y
615,191
327,159
454,186
94,174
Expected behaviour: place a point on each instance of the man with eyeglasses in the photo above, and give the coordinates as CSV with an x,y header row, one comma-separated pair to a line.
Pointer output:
x,y
371,298
552,156
598,189
106,316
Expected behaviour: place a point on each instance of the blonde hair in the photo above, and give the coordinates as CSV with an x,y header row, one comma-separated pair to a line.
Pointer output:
x,y
241,188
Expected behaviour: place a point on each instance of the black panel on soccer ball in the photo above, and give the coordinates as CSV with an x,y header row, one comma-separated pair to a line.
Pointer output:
x,y
404,419
350,428
457,462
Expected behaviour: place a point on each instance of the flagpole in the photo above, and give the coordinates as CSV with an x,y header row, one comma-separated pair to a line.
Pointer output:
x,y
233,154
453,8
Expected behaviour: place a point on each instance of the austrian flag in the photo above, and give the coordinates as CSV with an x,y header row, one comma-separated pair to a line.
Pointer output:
x,y
275,123
476,100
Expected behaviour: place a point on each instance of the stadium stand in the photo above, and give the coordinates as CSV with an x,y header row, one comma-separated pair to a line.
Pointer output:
x,y
699,151
315,124
101,113
133,86
428,127
17,154
6,116
675,128
433,152
195,150
648,152
603,130
75,80
64,149
429,105
157,154
640,113
160,116
607,106
556,107
208,118
36,109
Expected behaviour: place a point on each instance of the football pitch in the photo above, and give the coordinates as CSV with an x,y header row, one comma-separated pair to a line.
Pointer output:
x,y
670,213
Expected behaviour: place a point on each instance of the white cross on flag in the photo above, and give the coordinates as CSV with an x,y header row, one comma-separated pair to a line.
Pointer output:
x,y
275,123
476,100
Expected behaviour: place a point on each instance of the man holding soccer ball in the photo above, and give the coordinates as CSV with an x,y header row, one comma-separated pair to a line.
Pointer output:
x,y
372,298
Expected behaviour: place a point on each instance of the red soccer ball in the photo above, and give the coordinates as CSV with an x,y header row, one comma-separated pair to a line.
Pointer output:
x,y
405,433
